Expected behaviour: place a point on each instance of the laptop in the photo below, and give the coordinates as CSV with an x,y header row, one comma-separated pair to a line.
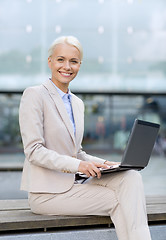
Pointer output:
x,y
139,147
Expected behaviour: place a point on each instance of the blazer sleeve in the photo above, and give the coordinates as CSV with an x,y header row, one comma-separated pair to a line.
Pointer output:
x,y
31,118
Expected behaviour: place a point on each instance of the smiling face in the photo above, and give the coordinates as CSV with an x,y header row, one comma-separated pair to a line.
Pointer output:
x,y
64,64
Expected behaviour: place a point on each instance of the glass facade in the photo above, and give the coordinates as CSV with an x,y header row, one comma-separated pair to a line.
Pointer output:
x,y
123,41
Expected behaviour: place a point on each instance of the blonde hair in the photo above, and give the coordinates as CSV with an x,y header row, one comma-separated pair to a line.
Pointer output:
x,y
66,39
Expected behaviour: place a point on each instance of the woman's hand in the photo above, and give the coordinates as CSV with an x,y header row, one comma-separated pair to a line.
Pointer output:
x,y
91,169
111,163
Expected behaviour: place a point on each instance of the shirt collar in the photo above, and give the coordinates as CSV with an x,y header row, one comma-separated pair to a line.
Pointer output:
x,y
61,93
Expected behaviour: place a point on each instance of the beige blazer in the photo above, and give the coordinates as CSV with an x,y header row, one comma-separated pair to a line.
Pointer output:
x,y
52,151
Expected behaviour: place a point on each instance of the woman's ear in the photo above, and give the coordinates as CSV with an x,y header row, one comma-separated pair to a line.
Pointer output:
x,y
49,62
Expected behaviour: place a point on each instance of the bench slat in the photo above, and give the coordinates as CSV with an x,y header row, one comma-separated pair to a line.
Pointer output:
x,y
157,208
156,199
14,204
25,219
16,215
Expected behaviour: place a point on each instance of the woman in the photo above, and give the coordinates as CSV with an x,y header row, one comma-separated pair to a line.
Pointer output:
x,y
52,124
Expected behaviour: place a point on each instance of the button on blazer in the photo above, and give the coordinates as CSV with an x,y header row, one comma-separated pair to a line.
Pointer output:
x,y
52,151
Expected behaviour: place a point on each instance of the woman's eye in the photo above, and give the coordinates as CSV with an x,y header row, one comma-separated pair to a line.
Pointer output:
x,y
60,59
74,62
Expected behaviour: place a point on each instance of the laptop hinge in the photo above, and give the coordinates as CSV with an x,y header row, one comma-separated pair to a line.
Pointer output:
x,y
131,167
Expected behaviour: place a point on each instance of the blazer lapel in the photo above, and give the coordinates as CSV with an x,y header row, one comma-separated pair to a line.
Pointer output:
x,y
60,106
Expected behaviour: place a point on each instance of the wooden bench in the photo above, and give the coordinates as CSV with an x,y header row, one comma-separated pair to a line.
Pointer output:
x,y
16,215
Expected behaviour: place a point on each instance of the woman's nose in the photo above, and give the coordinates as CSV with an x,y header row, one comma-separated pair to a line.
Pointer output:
x,y
67,65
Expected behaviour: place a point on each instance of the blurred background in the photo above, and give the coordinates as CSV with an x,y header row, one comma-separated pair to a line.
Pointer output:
x,y
122,77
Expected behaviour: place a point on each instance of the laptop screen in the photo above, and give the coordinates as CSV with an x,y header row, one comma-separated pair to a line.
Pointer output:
x,y
140,144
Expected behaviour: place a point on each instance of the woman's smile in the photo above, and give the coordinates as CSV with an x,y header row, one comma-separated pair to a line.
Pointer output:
x,y
64,74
